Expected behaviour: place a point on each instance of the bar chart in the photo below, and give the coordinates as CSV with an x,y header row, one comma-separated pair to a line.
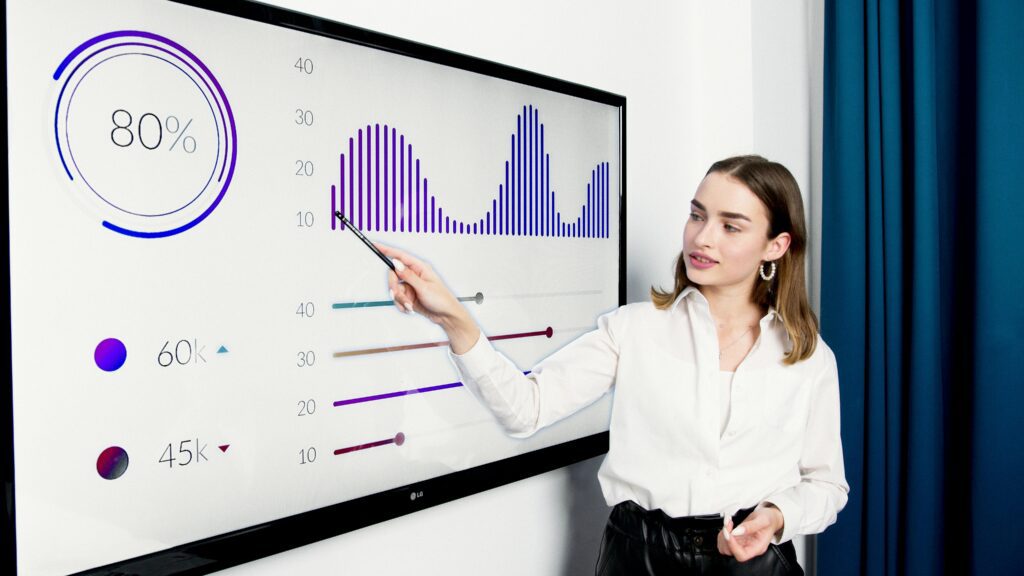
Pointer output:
x,y
390,192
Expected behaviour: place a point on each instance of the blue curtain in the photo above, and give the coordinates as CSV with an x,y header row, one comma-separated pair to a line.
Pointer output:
x,y
922,295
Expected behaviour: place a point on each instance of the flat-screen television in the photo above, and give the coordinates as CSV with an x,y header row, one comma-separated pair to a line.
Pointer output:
x,y
205,367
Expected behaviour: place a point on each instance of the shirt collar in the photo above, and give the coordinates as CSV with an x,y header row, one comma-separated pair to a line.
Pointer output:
x,y
693,293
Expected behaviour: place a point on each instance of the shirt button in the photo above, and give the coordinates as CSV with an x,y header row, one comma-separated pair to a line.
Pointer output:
x,y
698,540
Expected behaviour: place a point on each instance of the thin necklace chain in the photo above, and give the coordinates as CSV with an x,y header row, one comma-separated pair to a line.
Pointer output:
x,y
734,342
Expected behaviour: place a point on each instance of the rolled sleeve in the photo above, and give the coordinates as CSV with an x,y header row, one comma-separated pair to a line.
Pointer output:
x,y
814,503
563,383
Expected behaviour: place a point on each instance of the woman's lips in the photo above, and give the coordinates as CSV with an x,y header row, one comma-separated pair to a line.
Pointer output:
x,y
701,262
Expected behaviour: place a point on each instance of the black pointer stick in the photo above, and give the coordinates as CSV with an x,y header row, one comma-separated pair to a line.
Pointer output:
x,y
366,241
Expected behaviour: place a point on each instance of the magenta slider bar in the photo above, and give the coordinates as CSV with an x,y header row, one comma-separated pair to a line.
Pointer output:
x,y
398,440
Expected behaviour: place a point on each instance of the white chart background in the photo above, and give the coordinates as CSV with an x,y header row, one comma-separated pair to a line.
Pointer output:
x,y
237,278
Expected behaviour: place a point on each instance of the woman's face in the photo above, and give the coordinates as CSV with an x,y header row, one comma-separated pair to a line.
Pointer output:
x,y
726,236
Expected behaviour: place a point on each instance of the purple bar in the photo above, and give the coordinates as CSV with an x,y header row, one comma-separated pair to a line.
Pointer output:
x,y
396,394
351,181
359,207
447,225
394,195
433,213
599,209
334,201
462,228
599,219
488,232
368,200
411,197
474,228
342,188
505,228
416,200
425,205
440,220
401,182
376,170
385,177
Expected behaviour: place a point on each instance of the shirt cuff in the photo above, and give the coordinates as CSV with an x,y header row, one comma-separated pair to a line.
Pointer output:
x,y
476,361
790,513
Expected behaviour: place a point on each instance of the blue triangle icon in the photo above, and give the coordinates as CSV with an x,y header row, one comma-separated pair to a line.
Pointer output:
x,y
222,350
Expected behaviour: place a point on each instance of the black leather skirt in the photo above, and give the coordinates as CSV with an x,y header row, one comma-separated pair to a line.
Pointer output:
x,y
641,542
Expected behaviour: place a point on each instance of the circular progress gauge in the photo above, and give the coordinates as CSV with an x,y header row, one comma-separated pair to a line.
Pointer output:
x,y
144,132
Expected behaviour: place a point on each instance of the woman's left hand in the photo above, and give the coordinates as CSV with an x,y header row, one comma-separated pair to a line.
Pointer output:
x,y
751,538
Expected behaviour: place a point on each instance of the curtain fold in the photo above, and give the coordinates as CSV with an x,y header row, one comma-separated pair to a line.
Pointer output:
x,y
923,281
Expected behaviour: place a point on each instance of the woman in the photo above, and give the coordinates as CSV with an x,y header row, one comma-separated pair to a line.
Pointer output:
x,y
724,433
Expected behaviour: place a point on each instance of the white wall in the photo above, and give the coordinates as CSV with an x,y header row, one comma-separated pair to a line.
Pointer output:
x,y
703,80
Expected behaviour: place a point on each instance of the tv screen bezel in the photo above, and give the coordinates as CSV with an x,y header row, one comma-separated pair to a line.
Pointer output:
x,y
262,540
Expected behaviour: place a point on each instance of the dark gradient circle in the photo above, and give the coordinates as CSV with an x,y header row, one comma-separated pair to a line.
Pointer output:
x,y
112,463
110,354
399,439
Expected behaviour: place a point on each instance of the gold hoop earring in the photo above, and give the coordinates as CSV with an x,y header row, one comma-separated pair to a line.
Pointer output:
x,y
767,277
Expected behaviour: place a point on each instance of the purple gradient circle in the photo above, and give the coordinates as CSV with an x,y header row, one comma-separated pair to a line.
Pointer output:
x,y
112,463
399,439
110,354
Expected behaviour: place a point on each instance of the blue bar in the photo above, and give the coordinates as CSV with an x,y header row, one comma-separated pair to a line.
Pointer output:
x,y
551,195
586,209
519,173
529,172
534,178
543,187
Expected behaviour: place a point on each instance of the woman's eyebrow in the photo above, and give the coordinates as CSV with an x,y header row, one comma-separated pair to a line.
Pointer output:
x,y
733,215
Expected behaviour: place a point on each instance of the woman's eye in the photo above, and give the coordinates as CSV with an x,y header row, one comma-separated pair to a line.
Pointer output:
x,y
731,228
695,217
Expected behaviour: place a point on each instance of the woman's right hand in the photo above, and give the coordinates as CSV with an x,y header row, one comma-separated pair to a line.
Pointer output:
x,y
417,288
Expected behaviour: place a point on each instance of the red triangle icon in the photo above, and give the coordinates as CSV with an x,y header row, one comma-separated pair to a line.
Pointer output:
x,y
224,448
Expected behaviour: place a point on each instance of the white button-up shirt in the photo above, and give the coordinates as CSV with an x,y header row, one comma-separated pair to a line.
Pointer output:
x,y
666,450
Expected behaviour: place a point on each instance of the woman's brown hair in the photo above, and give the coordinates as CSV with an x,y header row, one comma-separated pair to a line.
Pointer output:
x,y
775,186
